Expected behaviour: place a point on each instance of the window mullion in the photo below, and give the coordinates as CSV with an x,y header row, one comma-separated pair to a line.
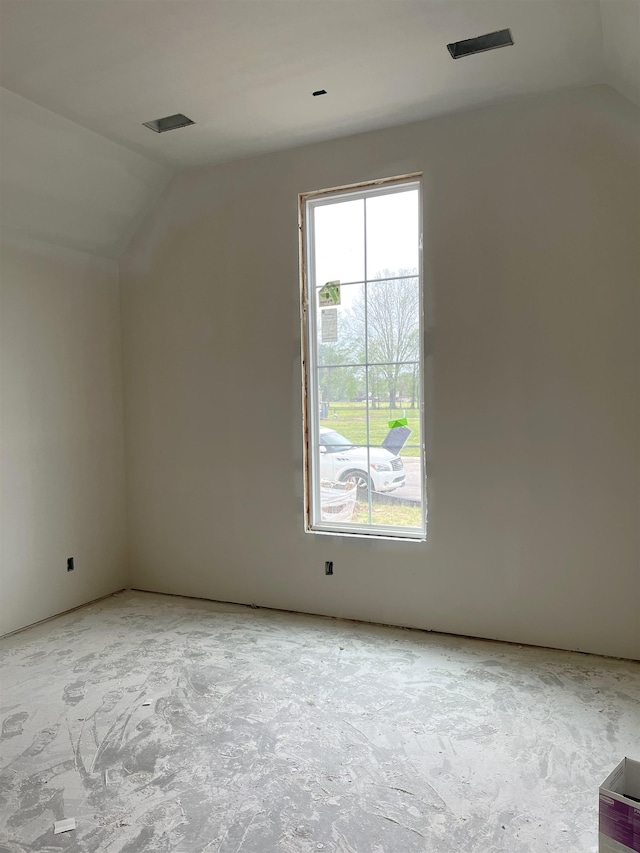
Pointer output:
x,y
366,361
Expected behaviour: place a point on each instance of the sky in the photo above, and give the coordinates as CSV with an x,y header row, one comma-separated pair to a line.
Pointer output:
x,y
392,239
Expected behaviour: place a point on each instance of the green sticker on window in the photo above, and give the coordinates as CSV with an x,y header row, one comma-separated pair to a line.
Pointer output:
x,y
399,422
329,295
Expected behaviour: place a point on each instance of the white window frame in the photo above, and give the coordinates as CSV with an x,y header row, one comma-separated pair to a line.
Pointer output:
x,y
309,316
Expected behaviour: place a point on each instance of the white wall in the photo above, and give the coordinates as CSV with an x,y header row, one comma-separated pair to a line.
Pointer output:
x,y
61,431
532,259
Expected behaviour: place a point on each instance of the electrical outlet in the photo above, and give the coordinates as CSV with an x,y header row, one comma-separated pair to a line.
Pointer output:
x,y
328,567
70,565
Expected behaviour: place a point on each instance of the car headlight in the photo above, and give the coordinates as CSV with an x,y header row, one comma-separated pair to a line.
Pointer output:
x,y
381,466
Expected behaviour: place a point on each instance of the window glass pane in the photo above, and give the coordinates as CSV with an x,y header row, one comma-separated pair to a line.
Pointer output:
x,y
339,242
364,375
382,412
393,322
341,453
395,452
340,330
341,401
393,228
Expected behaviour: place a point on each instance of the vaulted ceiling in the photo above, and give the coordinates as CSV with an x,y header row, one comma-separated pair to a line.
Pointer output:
x,y
83,75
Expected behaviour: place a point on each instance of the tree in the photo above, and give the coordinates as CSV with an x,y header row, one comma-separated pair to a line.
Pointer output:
x,y
338,384
389,318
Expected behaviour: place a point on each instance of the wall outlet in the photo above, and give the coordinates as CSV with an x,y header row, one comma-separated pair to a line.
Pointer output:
x,y
328,567
70,565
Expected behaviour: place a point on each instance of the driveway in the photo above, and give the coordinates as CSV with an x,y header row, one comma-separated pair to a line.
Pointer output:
x,y
412,488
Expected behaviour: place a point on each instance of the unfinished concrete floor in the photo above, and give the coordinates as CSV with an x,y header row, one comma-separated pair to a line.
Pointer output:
x,y
271,731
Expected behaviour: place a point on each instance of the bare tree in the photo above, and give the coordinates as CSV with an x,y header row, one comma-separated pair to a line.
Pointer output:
x,y
387,318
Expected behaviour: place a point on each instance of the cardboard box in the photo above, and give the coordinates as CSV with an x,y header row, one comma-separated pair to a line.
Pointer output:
x,y
620,809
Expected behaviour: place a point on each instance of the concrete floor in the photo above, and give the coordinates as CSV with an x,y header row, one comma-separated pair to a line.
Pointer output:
x,y
270,732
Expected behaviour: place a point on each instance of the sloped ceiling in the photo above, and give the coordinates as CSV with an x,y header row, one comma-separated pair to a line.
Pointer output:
x,y
78,167
621,46
63,184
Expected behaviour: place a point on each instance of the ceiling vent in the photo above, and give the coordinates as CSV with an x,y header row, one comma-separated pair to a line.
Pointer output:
x,y
161,125
480,44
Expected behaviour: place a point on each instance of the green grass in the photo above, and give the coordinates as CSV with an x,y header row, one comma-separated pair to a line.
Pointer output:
x,y
351,421
396,516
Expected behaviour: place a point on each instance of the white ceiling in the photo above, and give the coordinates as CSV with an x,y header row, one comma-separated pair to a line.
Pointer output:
x,y
244,70
80,77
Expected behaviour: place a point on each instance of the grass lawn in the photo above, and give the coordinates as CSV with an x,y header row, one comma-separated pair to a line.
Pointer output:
x,y
351,421
398,516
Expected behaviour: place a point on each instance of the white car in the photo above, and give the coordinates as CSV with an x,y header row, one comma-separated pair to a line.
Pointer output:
x,y
340,460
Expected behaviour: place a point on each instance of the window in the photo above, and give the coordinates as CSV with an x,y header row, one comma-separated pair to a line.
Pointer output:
x,y
362,355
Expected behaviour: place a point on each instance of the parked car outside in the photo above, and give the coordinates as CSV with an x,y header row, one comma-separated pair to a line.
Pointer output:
x,y
340,460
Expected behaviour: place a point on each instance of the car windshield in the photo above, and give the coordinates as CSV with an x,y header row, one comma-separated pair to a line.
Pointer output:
x,y
334,442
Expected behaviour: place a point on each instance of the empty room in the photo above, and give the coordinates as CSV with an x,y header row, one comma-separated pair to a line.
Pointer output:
x,y
320,426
